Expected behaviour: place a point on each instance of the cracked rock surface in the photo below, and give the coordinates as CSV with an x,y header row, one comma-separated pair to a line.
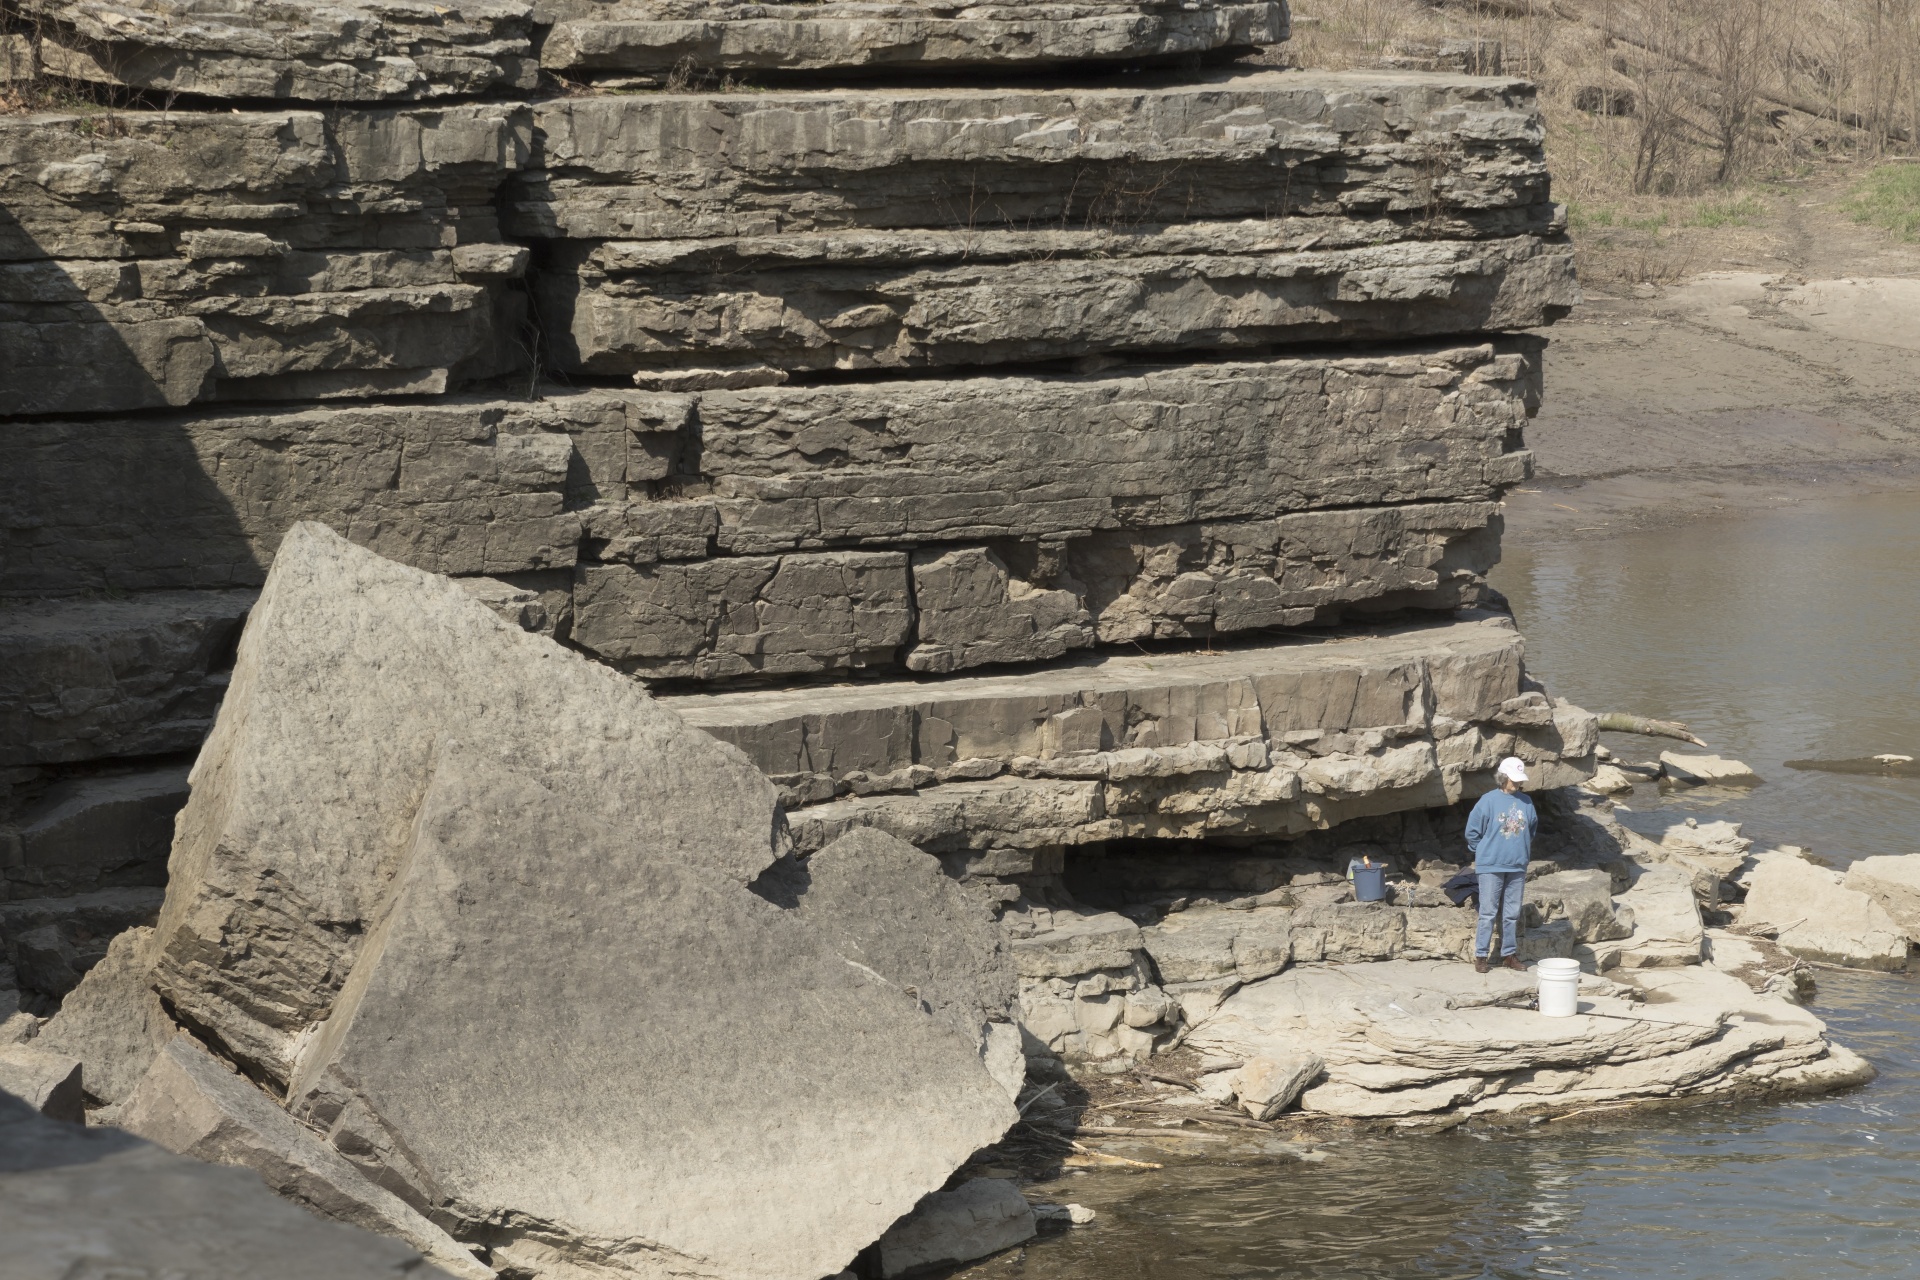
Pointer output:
x,y
522,786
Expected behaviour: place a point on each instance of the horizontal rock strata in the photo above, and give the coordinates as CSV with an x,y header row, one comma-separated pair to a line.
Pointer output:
x,y
336,50
706,237
98,831
1292,145
642,35
807,613
489,486
184,257
941,299
142,675
1047,457
1276,738
135,504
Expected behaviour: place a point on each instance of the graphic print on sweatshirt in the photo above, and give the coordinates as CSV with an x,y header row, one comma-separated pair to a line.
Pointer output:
x,y
1513,821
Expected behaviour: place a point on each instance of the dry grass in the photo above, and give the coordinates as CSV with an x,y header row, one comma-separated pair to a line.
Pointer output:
x,y
1889,197
23,86
1674,124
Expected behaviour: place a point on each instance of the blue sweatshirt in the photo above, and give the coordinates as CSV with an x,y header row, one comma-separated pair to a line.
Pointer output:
x,y
1500,831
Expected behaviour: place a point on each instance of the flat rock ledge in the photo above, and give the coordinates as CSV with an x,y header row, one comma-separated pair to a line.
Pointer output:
x,y
1264,955
1405,1039
1278,737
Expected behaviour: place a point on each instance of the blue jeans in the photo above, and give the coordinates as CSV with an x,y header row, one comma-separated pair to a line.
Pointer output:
x,y
1501,893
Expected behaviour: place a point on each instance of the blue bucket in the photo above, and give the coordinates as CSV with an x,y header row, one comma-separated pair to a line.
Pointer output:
x,y
1369,883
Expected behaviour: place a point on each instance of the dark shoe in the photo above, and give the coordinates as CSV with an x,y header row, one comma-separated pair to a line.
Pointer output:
x,y
1512,962
1480,964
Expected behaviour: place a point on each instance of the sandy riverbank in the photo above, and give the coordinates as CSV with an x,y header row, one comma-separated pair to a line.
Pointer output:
x,y
1785,373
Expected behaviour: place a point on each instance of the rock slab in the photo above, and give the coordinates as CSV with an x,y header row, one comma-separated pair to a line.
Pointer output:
x,y
98,1202
1894,883
194,1106
1702,771
503,816
1819,918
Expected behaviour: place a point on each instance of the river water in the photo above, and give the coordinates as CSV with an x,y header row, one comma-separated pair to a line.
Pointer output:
x,y
1783,635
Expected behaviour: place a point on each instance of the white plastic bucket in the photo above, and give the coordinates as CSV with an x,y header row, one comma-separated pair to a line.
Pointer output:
x,y
1559,987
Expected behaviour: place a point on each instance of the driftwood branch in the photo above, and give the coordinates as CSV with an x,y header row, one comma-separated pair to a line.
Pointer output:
x,y
1122,1131
1113,1159
1621,722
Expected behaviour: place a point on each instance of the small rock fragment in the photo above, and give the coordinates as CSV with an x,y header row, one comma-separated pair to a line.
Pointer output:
x,y
48,1082
1075,1215
1268,1086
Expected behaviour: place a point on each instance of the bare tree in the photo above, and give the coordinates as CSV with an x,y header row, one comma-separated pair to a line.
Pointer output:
x,y
1734,40
1661,91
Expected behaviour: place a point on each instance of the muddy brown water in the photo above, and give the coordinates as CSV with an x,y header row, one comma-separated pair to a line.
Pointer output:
x,y
1785,635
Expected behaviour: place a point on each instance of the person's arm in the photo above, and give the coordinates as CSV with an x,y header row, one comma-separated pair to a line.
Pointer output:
x,y
1477,826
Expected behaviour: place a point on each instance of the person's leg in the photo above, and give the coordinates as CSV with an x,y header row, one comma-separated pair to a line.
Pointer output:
x,y
1513,893
1489,912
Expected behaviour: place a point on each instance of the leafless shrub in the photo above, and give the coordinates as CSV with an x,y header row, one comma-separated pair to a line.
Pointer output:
x,y
1722,89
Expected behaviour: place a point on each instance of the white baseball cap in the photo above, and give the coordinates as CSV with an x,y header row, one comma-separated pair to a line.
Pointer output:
x,y
1512,768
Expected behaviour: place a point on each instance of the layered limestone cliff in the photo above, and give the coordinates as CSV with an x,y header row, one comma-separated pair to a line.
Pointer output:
x,y
1020,432
782,385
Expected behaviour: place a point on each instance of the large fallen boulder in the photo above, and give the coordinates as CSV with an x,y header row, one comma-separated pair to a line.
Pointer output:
x,y
934,940
486,914
1814,915
1667,930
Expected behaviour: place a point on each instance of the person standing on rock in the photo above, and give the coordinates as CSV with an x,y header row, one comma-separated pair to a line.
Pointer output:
x,y
1500,836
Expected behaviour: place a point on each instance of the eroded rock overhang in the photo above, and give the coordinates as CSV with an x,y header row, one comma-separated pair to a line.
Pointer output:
x,y
1263,739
